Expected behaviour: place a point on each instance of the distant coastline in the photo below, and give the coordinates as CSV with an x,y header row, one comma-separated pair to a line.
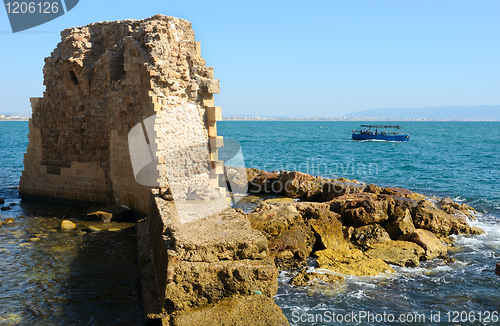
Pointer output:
x,y
14,119
257,118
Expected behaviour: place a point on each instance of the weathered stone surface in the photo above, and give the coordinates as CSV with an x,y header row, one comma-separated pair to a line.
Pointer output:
x,y
290,238
369,235
67,225
400,224
255,310
226,235
104,79
301,185
195,284
362,209
336,188
402,253
429,217
432,245
405,193
108,213
461,211
328,230
353,263
294,229
304,277
263,182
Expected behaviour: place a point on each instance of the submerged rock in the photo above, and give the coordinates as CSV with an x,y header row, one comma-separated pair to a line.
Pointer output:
x,y
304,277
108,213
9,220
67,225
92,229
5,208
402,253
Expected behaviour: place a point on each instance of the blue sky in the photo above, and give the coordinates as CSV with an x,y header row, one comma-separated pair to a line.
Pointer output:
x,y
301,58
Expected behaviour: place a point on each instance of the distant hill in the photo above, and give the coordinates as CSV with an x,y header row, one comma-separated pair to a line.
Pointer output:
x,y
483,112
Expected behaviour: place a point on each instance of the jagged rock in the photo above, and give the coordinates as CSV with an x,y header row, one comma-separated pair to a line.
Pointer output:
x,y
355,262
400,224
264,182
405,193
362,209
304,277
294,229
402,253
432,245
67,225
374,189
255,310
9,220
290,238
107,213
429,217
461,211
301,185
369,235
336,188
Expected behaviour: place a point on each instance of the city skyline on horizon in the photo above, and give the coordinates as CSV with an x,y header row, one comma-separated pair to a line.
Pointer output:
x,y
331,57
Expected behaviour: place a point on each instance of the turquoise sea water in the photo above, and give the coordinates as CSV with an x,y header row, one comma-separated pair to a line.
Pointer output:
x,y
460,160
71,278
53,277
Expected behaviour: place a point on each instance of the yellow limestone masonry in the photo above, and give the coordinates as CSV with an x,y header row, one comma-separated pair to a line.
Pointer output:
x,y
101,81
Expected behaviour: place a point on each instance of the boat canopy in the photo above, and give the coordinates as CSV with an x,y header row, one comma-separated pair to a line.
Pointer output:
x,y
380,126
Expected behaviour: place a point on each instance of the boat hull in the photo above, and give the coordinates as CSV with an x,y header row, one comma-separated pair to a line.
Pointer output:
x,y
403,137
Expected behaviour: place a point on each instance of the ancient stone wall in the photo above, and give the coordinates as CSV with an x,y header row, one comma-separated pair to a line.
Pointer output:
x,y
101,81
212,271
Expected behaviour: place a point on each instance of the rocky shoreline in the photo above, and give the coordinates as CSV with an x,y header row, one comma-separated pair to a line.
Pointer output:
x,y
351,228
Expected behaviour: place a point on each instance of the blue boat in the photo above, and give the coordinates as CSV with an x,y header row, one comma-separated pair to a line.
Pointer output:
x,y
373,133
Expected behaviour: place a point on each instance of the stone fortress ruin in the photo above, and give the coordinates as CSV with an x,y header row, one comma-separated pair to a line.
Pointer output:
x,y
101,81
128,118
